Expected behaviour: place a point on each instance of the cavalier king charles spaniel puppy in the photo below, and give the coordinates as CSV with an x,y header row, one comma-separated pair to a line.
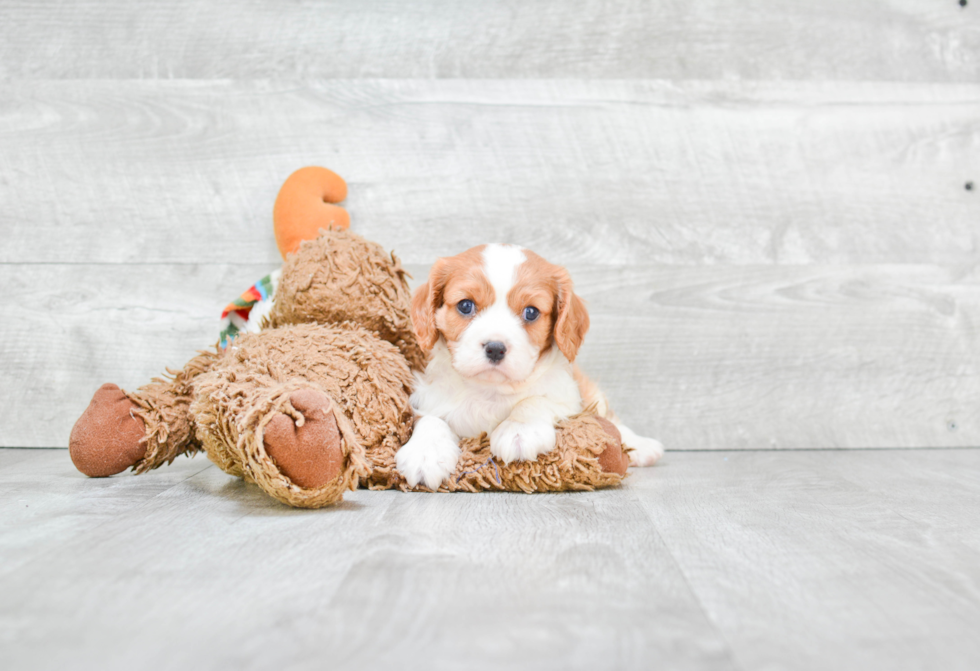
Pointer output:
x,y
502,326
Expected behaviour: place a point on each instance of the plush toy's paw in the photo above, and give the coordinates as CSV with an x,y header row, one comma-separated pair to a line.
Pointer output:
x,y
522,441
430,456
310,455
646,451
107,438
613,459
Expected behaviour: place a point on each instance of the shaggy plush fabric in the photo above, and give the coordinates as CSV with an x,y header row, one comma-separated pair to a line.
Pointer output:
x,y
367,379
574,464
341,277
164,407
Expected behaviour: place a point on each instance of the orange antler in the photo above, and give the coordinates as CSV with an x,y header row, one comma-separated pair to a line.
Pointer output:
x,y
305,204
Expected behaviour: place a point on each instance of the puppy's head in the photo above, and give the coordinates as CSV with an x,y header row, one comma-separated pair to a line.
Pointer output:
x,y
499,309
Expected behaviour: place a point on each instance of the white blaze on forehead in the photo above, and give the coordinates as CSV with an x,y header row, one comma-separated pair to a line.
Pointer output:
x,y
497,323
500,264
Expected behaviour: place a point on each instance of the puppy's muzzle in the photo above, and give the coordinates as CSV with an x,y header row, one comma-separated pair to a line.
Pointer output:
x,y
495,351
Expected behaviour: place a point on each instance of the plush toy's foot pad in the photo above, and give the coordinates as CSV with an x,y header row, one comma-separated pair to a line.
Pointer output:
x,y
106,439
310,455
613,459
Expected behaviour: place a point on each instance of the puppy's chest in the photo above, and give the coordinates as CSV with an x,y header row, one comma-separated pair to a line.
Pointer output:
x,y
479,412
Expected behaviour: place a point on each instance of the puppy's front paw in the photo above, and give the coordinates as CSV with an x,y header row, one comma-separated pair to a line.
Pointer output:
x,y
513,441
431,454
646,451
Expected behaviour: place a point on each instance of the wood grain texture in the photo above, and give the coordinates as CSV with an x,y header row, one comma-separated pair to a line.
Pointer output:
x,y
708,357
726,560
581,171
71,328
551,583
789,357
204,542
819,560
544,582
904,40
45,506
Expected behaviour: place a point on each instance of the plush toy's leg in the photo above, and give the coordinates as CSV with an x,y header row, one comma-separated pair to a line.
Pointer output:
x,y
289,438
588,454
143,429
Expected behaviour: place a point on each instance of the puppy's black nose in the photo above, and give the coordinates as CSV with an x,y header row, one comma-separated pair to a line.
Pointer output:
x,y
495,351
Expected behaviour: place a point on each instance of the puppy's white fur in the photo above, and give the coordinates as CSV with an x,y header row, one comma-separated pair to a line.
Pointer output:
x,y
517,400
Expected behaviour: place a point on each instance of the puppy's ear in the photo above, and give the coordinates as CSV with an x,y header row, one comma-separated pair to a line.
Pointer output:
x,y
572,322
425,301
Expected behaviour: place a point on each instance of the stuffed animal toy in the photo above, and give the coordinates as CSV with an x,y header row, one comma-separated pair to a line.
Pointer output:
x,y
317,401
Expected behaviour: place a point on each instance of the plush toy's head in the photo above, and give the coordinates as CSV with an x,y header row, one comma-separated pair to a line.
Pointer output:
x,y
341,277
306,204
330,275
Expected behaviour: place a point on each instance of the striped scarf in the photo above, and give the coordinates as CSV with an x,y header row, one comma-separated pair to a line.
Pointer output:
x,y
245,312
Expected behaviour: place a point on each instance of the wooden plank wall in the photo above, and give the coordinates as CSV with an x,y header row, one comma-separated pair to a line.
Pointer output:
x,y
765,203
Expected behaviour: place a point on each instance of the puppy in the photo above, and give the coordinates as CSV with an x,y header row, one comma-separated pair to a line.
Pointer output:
x,y
502,326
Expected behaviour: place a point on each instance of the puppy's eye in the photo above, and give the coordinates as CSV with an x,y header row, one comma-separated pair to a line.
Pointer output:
x,y
465,307
531,313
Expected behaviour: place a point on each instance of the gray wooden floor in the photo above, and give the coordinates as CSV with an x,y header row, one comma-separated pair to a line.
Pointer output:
x,y
713,560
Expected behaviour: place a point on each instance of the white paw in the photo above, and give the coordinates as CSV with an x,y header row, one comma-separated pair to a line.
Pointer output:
x,y
646,451
519,441
430,455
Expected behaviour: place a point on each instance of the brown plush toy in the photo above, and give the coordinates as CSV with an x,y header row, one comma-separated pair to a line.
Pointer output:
x,y
317,402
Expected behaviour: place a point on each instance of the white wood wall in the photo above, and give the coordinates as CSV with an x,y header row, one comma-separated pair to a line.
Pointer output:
x,y
764,202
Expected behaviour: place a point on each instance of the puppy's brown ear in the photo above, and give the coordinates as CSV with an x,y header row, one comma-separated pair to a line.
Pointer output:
x,y
425,301
572,322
